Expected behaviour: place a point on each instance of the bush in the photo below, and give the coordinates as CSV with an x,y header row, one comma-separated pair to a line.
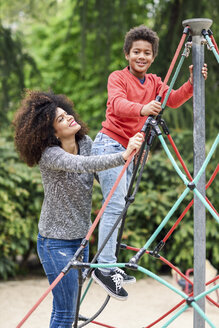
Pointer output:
x,y
20,202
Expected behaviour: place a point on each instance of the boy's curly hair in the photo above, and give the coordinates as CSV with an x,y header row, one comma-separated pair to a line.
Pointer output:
x,y
33,124
141,32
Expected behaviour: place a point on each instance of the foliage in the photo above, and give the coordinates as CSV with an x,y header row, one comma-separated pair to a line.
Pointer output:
x,y
71,47
20,202
14,61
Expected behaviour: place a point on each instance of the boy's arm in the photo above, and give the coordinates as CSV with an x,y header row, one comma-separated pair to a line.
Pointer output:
x,y
179,96
117,98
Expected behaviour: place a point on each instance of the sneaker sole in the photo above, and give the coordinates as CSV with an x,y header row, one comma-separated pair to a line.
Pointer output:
x,y
117,297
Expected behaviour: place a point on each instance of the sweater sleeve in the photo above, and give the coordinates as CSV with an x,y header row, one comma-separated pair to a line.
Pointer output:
x,y
179,96
117,97
55,158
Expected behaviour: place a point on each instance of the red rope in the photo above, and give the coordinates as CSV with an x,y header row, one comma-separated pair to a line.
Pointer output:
x,y
187,172
183,301
178,221
55,282
212,177
214,43
109,197
179,157
172,64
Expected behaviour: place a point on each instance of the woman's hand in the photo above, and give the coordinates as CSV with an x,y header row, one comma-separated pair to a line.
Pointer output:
x,y
204,72
134,144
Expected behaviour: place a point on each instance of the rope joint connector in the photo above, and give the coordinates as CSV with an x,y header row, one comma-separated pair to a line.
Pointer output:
x,y
188,47
164,126
191,185
186,30
157,249
154,254
136,258
84,242
210,33
131,266
129,199
189,300
123,246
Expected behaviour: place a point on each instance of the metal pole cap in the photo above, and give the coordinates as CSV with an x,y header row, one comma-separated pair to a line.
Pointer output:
x,y
196,25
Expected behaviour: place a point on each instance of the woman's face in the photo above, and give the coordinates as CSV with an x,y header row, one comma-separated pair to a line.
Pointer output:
x,y
65,125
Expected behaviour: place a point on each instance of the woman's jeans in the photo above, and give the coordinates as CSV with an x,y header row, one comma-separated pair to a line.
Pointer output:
x,y
106,145
54,255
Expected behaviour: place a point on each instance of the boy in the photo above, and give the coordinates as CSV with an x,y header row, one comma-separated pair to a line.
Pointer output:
x,y
131,98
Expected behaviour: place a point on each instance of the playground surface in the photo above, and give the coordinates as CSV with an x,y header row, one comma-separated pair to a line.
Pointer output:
x,y
147,301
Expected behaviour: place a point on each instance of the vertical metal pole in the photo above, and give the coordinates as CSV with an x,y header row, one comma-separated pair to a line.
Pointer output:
x,y
196,27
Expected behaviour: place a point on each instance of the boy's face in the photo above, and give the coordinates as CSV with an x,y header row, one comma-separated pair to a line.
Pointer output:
x,y
140,57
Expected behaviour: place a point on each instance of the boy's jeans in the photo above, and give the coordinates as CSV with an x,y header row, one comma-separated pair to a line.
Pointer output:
x,y
106,145
54,255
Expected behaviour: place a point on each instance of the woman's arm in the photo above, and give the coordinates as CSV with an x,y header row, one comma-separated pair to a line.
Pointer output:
x,y
55,158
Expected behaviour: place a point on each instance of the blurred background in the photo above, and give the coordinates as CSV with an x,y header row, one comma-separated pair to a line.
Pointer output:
x,y
71,47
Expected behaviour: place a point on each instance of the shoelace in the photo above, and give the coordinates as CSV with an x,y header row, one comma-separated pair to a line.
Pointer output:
x,y
117,279
121,272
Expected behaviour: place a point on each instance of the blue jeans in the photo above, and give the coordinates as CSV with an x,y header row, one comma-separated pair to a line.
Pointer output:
x,y
106,145
54,255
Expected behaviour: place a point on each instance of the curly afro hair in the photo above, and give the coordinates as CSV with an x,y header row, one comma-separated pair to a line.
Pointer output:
x,y
33,124
141,32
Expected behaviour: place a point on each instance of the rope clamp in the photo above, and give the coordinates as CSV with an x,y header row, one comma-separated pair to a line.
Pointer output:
x,y
130,199
136,258
131,266
189,300
191,185
164,127
188,46
154,254
158,248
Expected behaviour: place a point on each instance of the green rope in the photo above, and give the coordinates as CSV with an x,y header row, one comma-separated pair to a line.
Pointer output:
x,y
205,163
202,199
86,290
166,219
168,285
174,77
176,167
212,47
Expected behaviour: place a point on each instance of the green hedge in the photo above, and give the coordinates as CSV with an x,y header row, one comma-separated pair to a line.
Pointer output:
x,y
21,197
20,202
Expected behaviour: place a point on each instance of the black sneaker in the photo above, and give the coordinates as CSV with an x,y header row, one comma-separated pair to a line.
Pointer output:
x,y
111,282
126,278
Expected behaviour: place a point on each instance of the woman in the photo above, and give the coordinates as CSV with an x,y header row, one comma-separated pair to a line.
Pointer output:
x,y
49,133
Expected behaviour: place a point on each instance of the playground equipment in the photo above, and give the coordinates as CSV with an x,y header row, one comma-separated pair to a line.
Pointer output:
x,y
198,34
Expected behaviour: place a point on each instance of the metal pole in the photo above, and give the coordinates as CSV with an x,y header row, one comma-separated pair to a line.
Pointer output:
x,y
196,26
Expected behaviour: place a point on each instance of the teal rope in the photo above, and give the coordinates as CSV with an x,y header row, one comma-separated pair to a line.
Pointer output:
x,y
166,219
212,47
206,204
86,290
174,78
197,308
206,292
168,285
175,316
176,167
204,165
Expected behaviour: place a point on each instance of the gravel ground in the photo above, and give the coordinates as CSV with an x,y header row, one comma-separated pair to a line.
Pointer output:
x,y
147,301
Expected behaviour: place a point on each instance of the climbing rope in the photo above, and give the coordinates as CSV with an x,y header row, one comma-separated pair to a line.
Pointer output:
x,y
150,130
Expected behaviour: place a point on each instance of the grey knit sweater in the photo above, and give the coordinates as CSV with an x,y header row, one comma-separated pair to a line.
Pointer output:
x,y
67,182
